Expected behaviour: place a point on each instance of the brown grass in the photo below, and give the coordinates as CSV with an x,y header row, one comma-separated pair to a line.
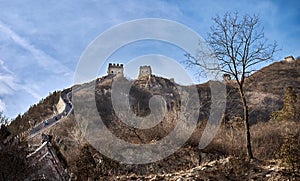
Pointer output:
x,y
266,138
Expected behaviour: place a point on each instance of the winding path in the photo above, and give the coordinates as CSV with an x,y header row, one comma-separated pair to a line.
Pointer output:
x,y
65,95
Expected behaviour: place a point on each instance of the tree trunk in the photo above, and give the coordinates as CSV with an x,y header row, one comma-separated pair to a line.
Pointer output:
x,y
246,124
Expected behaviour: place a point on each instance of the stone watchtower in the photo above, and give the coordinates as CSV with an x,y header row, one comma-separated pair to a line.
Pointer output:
x,y
289,59
145,71
115,69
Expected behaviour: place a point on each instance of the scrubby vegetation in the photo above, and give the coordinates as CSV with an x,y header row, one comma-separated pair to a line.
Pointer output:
x,y
35,114
13,152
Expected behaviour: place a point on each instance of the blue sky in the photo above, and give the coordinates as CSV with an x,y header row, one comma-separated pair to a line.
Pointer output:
x,y
41,41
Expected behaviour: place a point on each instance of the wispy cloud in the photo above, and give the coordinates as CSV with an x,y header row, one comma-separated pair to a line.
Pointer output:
x,y
43,59
11,89
4,67
9,83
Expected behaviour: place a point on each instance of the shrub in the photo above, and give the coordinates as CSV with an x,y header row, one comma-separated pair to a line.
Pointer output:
x,y
290,152
290,107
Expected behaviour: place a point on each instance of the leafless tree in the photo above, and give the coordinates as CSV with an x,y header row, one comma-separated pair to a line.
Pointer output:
x,y
239,44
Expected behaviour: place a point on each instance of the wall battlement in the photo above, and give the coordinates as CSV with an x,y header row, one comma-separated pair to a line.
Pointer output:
x,y
118,69
115,69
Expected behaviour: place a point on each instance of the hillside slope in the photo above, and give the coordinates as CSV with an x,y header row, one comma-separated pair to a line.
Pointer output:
x,y
265,91
276,77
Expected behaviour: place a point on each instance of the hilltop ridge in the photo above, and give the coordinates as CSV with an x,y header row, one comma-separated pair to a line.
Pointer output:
x,y
275,77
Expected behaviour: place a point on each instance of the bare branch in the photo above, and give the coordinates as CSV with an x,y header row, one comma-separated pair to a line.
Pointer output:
x,y
239,45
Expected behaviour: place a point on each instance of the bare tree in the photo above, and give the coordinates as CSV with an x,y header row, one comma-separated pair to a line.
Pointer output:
x,y
239,45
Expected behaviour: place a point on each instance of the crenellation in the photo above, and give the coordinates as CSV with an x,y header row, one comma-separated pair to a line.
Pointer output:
x,y
115,69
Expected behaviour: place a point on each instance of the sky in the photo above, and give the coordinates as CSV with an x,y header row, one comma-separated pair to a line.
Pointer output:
x,y
41,42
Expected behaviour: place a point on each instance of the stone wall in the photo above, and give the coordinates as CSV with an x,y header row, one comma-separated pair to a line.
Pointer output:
x,y
60,106
50,166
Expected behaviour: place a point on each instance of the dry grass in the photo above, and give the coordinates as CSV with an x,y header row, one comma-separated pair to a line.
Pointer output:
x,y
266,138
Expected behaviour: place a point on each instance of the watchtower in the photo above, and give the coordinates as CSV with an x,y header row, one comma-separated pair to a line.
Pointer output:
x,y
145,71
115,69
289,59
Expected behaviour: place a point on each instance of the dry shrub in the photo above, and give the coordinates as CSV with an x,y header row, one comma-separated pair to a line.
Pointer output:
x,y
266,137
229,140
